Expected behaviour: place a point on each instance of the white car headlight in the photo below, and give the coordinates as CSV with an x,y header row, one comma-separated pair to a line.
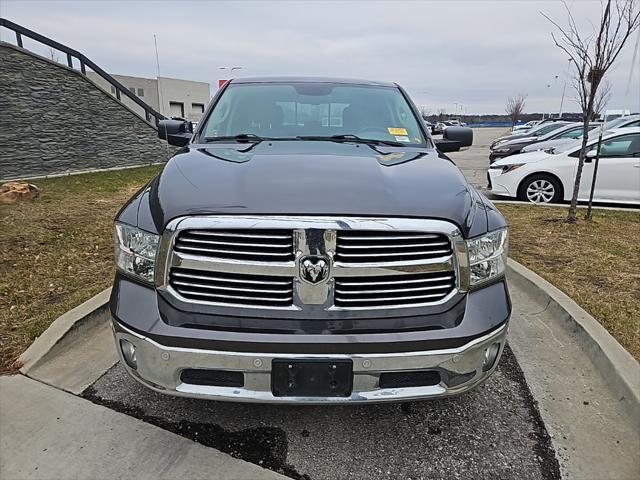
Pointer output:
x,y
501,149
135,251
511,167
487,256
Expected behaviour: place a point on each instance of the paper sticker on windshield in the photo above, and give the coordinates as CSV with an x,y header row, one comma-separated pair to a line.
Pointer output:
x,y
397,131
403,139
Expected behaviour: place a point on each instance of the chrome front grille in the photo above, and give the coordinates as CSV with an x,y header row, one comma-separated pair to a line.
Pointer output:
x,y
311,266
385,246
393,290
232,289
238,244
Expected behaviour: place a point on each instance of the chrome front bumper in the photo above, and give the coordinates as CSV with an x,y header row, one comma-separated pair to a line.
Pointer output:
x,y
159,368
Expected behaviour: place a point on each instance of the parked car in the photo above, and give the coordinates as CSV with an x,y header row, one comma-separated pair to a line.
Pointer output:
x,y
569,131
525,126
538,130
630,121
622,122
280,258
438,128
548,177
610,115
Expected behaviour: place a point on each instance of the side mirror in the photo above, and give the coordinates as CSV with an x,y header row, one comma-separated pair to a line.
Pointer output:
x,y
455,139
591,154
176,132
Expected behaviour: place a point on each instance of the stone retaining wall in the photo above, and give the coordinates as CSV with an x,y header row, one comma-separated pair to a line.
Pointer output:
x,y
54,120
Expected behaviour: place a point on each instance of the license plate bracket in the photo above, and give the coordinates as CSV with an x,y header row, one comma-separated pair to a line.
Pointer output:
x,y
311,378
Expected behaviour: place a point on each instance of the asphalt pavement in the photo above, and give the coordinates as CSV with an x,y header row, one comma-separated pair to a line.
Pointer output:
x,y
492,432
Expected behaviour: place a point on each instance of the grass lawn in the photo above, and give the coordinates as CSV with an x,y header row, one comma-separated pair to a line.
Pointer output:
x,y
596,263
56,252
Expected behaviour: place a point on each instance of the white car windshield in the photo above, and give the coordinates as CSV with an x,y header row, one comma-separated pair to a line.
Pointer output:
x,y
593,135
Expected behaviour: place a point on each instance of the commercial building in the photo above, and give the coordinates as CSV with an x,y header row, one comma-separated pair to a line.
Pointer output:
x,y
172,97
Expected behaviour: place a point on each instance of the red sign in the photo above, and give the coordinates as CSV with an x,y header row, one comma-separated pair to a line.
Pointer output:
x,y
221,83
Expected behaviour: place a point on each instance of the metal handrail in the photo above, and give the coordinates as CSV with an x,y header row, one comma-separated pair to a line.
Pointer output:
x,y
84,62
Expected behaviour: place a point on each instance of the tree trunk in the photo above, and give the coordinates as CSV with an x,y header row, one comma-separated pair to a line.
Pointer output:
x,y
572,215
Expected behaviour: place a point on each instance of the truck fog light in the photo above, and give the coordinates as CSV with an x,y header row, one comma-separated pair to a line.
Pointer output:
x,y
490,356
129,353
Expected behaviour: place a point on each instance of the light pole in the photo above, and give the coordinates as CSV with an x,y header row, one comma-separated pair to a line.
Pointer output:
x,y
564,88
231,69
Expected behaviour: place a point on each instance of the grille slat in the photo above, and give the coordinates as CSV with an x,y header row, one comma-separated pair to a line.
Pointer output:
x,y
232,288
229,289
234,244
393,246
402,282
358,236
237,234
374,257
230,280
406,245
393,290
226,296
251,245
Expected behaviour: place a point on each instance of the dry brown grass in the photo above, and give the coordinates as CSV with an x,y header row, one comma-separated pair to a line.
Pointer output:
x,y
56,251
596,263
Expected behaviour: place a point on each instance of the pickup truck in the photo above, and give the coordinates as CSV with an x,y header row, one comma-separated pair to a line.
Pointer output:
x,y
310,242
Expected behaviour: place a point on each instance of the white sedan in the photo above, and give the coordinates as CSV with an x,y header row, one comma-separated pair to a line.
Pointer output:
x,y
544,177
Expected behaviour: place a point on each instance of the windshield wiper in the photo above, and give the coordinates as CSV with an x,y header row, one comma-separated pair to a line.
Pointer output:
x,y
352,138
241,137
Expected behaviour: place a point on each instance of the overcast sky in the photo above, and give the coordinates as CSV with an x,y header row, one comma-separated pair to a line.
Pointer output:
x,y
474,53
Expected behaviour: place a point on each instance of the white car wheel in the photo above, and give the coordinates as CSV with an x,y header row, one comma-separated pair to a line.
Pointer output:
x,y
540,189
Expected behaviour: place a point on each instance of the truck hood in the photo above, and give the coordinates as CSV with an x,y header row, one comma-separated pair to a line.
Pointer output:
x,y
313,178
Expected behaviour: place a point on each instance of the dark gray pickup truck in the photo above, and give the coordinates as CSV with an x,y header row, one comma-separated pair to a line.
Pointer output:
x,y
310,243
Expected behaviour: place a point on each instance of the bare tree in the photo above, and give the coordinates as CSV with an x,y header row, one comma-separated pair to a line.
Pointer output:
x,y
592,54
441,114
602,99
515,107
424,111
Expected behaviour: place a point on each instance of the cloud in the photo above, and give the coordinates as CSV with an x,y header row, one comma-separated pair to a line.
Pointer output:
x,y
469,52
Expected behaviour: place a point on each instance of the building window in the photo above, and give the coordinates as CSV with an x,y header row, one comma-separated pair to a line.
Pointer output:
x,y
132,90
141,92
113,90
176,109
197,108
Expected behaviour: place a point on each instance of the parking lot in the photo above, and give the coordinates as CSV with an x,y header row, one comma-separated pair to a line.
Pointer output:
x,y
474,162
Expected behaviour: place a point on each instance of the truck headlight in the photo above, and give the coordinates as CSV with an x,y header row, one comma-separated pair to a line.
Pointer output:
x,y
487,256
135,251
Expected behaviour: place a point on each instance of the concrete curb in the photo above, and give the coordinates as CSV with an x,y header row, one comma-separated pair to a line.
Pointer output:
x,y
563,205
65,328
617,366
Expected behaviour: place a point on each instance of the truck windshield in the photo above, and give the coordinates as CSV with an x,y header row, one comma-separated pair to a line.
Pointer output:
x,y
314,111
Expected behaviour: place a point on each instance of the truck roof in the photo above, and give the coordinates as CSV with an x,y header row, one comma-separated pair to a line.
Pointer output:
x,y
296,79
